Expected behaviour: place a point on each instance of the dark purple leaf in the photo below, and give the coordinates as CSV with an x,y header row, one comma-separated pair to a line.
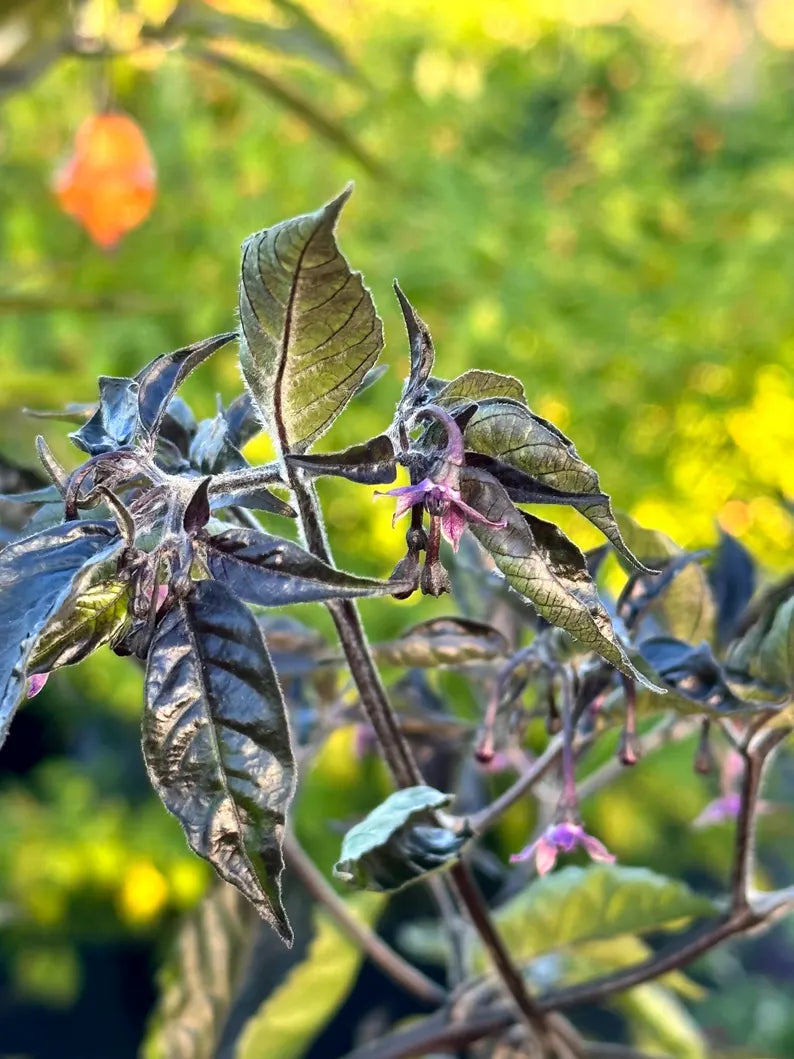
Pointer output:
x,y
272,571
216,742
371,463
113,424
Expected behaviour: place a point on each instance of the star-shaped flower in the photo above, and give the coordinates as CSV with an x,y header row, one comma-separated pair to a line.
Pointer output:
x,y
562,838
441,499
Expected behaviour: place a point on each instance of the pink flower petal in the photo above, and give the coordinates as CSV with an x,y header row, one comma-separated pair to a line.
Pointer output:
x,y
527,853
36,683
473,515
596,850
453,523
546,856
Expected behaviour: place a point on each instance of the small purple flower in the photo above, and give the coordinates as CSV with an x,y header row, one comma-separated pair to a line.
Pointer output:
x,y
35,684
724,809
440,499
562,838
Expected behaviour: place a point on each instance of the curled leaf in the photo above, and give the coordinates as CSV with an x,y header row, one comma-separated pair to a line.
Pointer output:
x,y
399,842
216,742
113,424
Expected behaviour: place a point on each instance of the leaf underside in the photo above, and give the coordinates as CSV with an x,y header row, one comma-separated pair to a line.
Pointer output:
x,y
310,330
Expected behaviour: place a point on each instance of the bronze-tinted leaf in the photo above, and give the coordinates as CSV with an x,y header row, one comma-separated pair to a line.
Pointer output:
x,y
443,642
423,355
216,742
508,431
544,566
476,385
310,330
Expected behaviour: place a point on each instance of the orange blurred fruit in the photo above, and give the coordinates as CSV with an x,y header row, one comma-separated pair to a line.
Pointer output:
x,y
110,183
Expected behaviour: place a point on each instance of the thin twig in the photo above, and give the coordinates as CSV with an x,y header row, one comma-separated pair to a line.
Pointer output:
x,y
390,962
487,817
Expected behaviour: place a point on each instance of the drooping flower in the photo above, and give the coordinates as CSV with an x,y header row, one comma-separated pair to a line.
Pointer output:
x,y
718,811
440,490
559,838
109,183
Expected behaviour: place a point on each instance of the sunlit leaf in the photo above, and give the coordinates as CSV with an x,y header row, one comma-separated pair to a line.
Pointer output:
x,y
544,566
660,1023
273,571
37,575
310,330
443,642
86,621
477,385
216,742
583,904
399,842
294,1014
508,431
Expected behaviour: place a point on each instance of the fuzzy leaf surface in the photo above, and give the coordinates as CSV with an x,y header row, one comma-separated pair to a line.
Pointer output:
x,y
159,380
541,563
310,330
508,431
37,575
113,424
216,742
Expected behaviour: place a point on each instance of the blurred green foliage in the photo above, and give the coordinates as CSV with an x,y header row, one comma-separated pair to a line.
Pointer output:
x,y
564,203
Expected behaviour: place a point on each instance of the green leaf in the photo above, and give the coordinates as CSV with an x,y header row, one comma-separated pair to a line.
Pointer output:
x,y
310,330
477,385
295,1013
687,608
199,981
542,564
216,742
443,642
510,432
658,1020
84,623
399,841
775,661
584,904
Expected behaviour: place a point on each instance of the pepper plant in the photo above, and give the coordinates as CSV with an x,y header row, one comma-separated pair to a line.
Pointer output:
x,y
156,546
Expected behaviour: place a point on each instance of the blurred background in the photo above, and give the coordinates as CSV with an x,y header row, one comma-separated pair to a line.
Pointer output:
x,y
594,195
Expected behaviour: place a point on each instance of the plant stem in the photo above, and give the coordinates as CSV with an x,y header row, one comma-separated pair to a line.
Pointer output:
x,y
390,962
395,748
486,818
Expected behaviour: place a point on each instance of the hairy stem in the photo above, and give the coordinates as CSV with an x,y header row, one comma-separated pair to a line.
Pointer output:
x,y
390,962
